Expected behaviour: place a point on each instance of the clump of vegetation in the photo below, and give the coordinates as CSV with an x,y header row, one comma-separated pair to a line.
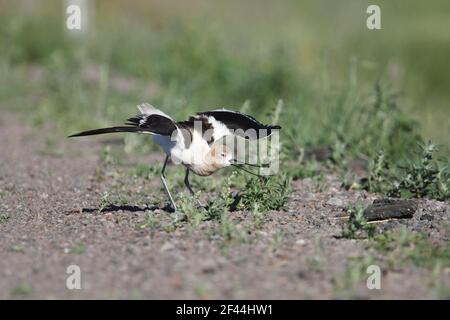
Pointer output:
x,y
23,289
357,226
214,209
104,201
4,217
268,193
423,176
407,247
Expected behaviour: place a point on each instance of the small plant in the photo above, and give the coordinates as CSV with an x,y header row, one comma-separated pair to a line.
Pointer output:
x,y
4,217
23,289
357,226
258,216
191,211
270,193
379,177
151,221
423,176
223,203
104,201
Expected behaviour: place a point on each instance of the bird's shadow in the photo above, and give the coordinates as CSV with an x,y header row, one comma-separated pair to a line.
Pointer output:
x,y
129,208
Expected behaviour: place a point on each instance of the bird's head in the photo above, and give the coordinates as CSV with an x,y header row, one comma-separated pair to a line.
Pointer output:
x,y
220,156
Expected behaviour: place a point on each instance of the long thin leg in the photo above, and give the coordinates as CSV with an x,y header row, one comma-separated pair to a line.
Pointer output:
x,y
188,185
163,179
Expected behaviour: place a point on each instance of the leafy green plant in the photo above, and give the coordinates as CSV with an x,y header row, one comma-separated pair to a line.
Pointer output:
x,y
357,226
223,203
269,193
422,176
4,217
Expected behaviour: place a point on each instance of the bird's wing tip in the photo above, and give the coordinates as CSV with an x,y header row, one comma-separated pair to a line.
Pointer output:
x,y
146,108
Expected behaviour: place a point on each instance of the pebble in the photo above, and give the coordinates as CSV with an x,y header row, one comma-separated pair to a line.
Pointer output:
x,y
166,247
335,202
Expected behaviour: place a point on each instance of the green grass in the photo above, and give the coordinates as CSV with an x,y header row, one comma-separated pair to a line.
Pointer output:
x,y
404,247
396,251
22,290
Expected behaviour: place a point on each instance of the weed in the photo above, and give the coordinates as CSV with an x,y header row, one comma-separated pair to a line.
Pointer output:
x,y
357,226
151,221
192,212
258,216
104,201
4,217
269,193
23,289
422,176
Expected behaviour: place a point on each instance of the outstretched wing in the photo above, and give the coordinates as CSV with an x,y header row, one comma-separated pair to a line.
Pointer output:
x,y
153,123
152,120
241,124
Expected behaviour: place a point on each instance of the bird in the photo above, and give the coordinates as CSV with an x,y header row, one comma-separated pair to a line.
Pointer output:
x,y
197,143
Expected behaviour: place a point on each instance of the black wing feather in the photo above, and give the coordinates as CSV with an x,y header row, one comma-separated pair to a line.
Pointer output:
x,y
105,130
235,120
153,123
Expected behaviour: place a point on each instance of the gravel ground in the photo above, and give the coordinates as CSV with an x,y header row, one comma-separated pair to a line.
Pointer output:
x,y
49,205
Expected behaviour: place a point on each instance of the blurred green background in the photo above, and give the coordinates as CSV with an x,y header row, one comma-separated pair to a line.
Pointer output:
x,y
341,84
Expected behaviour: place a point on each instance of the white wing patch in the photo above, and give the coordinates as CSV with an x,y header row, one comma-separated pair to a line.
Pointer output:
x,y
148,109
220,129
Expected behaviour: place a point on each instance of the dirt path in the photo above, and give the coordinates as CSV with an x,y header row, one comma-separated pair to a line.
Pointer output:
x,y
295,254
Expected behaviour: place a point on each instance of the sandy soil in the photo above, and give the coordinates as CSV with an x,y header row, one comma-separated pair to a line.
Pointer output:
x,y
50,202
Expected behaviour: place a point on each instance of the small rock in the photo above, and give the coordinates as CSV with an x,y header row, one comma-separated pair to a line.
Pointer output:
x,y
166,247
382,209
335,202
300,242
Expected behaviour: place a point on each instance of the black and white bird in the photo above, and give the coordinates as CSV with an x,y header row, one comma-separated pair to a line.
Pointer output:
x,y
196,143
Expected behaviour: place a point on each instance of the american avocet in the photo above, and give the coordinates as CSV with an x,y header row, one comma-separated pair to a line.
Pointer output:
x,y
194,142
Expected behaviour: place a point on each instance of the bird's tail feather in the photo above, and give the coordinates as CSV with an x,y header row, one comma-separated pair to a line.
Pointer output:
x,y
106,130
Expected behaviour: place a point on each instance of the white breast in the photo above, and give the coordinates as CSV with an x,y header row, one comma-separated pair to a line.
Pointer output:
x,y
194,155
